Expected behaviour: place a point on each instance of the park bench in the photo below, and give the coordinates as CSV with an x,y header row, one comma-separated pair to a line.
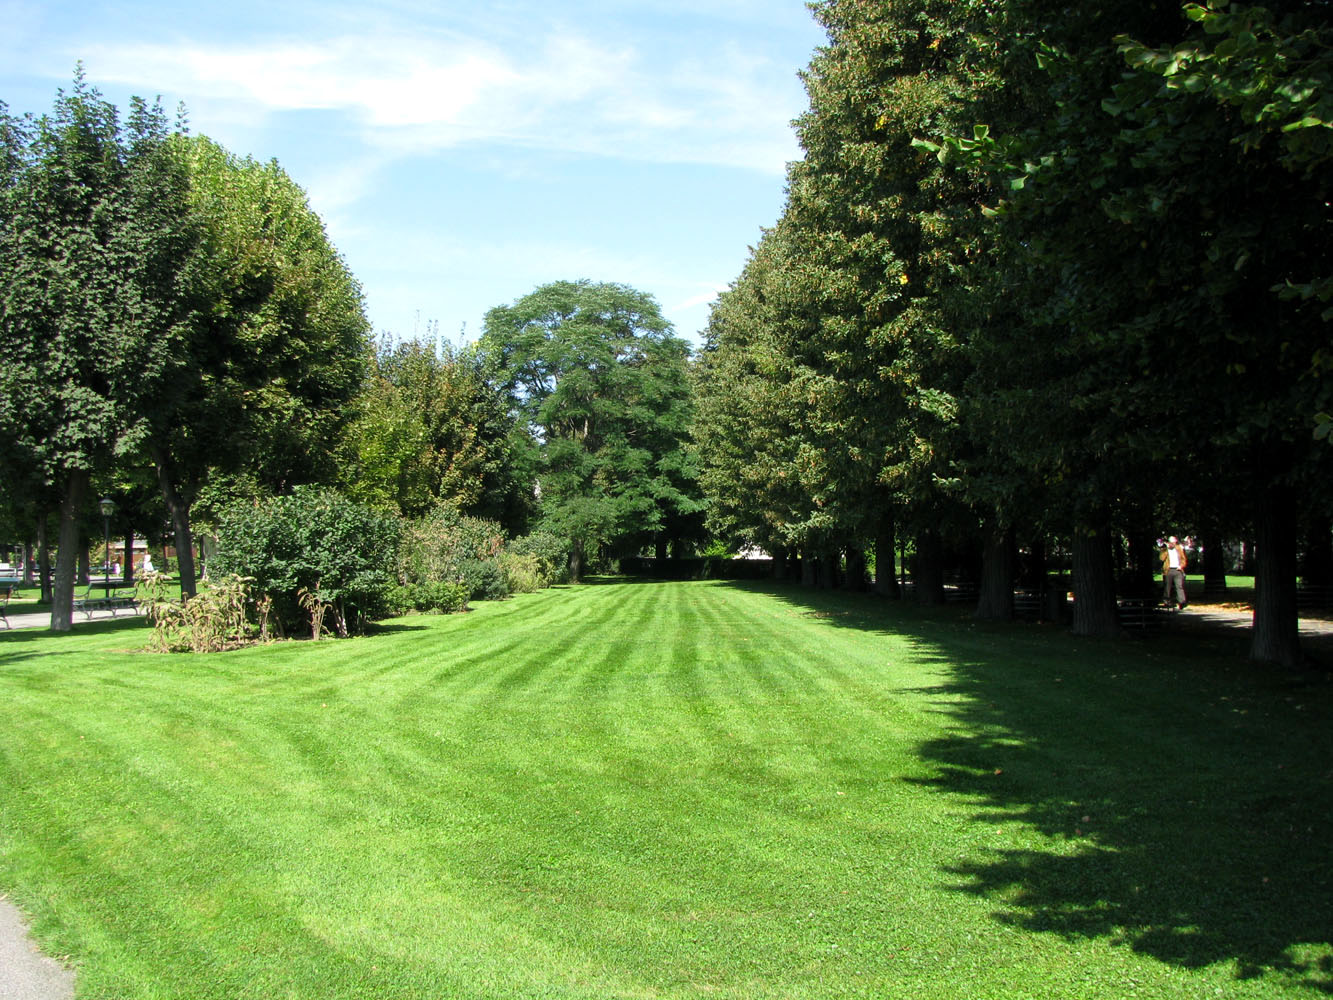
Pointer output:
x,y
1314,598
1140,614
88,602
1028,604
962,592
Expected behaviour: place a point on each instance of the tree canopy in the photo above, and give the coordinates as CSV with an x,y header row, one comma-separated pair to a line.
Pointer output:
x,y
1043,272
600,380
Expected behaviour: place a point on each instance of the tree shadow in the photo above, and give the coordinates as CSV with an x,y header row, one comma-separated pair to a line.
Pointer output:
x,y
1182,795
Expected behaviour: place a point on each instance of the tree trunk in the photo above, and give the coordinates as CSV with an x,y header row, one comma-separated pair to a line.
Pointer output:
x,y
660,548
1214,565
1317,567
808,572
855,580
1247,558
780,565
83,574
44,561
576,560
27,564
1094,585
127,563
886,580
828,569
62,597
179,508
1276,637
996,600
929,573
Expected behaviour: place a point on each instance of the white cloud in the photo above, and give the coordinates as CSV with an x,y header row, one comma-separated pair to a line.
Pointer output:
x,y
702,299
421,93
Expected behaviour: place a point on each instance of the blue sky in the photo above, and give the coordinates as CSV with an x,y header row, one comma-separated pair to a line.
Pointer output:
x,y
461,154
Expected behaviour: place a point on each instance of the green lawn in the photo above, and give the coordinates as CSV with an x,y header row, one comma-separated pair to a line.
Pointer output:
x,y
670,790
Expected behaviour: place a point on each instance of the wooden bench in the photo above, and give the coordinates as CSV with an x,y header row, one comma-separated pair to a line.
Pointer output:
x,y
87,602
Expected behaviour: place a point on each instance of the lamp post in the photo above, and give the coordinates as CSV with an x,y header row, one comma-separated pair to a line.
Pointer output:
x,y
108,508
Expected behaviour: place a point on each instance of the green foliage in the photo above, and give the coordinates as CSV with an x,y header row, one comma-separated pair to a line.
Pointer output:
x,y
430,596
430,429
316,541
94,234
446,546
551,552
523,574
470,553
599,379
280,343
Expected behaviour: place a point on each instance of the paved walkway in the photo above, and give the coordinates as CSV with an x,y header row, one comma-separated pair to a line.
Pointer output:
x,y
1231,617
43,620
25,973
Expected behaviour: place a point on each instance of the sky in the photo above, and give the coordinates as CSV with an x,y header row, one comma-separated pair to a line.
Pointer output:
x,y
463,154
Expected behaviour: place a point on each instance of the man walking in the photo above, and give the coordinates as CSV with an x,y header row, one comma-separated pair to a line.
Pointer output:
x,y
1173,573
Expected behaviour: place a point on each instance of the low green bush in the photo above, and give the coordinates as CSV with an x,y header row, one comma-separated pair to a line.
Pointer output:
x,y
435,596
449,547
485,579
523,574
311,553
551,551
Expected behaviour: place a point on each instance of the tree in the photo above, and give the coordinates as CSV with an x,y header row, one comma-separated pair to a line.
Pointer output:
x,y
434,427
597,375
91,245
889,235
1247,92
275,349
747,422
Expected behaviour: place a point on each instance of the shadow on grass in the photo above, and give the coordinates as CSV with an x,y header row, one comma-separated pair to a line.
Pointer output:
x,y
98,626
392,626
1184,794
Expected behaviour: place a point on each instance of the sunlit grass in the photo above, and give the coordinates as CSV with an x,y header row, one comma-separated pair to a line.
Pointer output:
x,y
668,790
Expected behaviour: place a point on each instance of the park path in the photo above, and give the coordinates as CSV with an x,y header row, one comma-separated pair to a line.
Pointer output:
x,y
43,619
1224,617
25,973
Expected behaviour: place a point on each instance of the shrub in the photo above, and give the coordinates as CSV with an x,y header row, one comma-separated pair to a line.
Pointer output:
x,y
437,546
484,579
446,546
551,551
439,596
340,554
213,620
523,573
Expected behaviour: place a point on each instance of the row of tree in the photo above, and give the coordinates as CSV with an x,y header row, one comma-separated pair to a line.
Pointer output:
x,y
1046,272
174,320
166,307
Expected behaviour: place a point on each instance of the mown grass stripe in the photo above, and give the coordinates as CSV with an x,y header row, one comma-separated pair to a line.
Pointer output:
x,y
666,790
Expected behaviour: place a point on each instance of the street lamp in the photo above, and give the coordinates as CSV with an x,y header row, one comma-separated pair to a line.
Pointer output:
x,y
108,508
